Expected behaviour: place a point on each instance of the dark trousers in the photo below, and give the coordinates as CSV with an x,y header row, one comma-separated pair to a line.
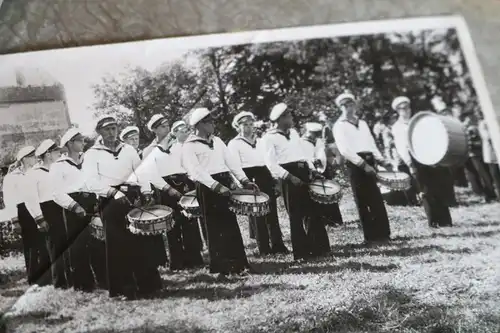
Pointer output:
x,y
36,256
369,201
79,241
410,196
225,244
333,215
57,242
433,199
266,228
494,170
459,177
97,250
184,240
127,269
480,173
308,232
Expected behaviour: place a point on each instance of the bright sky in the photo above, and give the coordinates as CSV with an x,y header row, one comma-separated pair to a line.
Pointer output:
x,y
79,68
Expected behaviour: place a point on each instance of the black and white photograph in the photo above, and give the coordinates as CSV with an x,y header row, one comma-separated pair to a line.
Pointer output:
x,y
263,181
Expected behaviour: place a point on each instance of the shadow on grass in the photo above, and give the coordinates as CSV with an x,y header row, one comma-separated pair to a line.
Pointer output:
x,y
400,251
392,311
350,265
465,234
220,293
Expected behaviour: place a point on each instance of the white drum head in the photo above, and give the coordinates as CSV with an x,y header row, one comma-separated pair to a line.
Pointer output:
x,y
428,138
325,187
250,198
393,175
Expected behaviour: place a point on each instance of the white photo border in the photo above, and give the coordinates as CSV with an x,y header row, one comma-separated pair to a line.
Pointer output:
x,y
188,43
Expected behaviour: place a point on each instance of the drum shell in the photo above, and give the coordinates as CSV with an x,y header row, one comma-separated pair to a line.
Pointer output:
x,y
395,184
248,208
456,153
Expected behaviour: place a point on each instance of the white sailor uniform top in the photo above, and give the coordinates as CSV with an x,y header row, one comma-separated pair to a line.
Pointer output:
x,y
247,154
281,148
352,139
39,189
13,192
400,134
105,169
160,163
315,151
68,177
203,158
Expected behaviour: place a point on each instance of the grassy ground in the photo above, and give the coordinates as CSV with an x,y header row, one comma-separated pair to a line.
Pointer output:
x,y
440,281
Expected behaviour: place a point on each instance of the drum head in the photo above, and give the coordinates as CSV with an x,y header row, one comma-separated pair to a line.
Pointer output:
x,y
428,138
150,213
189,200
393,175
325,187
96,221
251,198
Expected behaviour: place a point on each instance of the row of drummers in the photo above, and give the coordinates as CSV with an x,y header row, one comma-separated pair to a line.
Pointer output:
x,y
57,198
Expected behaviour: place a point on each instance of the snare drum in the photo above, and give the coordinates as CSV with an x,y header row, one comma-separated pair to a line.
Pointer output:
x,y
396,181
153,220
437,140
189,203
249,204
97,228
325,191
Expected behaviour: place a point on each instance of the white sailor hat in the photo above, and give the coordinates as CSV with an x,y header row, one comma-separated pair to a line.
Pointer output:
x,y
277,111
198,115
155,121
313,127
46,146
240,116
25,151
178,124
68,136
398,101
127,131
104,121
343,98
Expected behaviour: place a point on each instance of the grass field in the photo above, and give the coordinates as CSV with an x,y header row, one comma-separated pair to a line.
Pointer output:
x,y
440,281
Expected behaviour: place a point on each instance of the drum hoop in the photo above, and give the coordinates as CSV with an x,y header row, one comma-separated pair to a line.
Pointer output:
x,y
234,198
131,217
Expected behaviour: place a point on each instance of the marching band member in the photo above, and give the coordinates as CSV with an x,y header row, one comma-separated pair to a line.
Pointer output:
x,y
158,124
436,209
248,152
475,163
180,132
130,135
316,151
357,145
109,167
489,155
285,157
167,175
210,163
79,205
45,212
14,199
401,105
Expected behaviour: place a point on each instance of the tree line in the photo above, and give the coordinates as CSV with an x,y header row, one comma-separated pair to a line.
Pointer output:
x,y
305,74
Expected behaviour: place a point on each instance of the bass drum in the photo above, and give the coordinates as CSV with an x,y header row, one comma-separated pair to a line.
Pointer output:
x,y
437,140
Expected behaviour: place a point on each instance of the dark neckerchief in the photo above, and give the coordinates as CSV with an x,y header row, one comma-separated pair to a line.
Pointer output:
x,y
195,138
163,150
309,139
71,162
100,146
355,123
242,138
278,131
43,168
